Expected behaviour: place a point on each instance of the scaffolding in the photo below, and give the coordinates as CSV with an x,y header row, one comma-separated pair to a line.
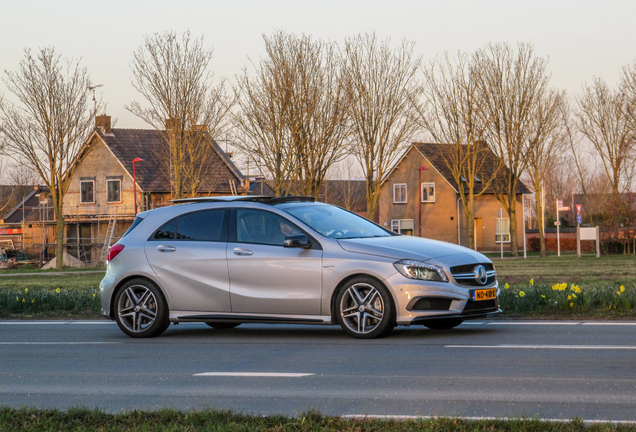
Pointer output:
x,y
89,231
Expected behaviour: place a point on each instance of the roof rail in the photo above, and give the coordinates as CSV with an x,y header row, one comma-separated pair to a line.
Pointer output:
x,y
245,198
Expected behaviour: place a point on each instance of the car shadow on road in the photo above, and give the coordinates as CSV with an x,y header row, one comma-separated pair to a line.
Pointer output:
x,y
263,333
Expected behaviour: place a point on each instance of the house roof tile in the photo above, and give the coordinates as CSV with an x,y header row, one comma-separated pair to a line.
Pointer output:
x,y
435,154
153,174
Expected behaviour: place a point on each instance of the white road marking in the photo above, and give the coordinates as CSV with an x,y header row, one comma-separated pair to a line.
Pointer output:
x,y
93,322
32,322
54,322
610,323
57,343
590,347
535,323
413,417
255,374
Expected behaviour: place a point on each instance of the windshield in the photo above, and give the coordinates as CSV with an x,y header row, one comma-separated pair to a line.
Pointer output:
x,y
334,222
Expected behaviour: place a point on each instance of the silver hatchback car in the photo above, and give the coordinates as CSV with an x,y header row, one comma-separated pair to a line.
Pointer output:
x,y
231,260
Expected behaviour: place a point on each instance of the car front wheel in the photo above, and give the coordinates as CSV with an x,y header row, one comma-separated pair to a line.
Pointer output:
x,y
141,310
365,308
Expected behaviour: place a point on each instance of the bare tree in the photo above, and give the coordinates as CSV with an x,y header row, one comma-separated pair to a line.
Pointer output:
x,y
547,145
293,116
603,118
383,92
511,85
628,87
172,74
48,126
584,168
452,114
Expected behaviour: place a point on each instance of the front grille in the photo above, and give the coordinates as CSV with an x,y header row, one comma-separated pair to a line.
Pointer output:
x,y
465,274
425,304
481,306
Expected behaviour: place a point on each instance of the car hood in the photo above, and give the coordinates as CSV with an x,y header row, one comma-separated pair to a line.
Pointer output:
x,y
408,247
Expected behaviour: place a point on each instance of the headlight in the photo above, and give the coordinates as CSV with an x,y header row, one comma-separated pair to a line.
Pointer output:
x,y
420,270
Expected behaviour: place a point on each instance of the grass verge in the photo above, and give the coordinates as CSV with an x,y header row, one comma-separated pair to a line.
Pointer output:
x,y
589,288
81,419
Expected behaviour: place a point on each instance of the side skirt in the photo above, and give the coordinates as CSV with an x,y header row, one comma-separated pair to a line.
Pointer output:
x,y
183,316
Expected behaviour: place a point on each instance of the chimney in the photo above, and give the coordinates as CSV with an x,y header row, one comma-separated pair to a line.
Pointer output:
x,y
102,122
172,123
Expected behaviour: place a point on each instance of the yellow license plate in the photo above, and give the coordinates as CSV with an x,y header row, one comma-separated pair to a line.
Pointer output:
x,y
485,294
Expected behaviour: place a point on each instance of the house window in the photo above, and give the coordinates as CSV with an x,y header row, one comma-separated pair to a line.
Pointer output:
x,y
87,191
399,193
502,230
113,191
402,226
428,192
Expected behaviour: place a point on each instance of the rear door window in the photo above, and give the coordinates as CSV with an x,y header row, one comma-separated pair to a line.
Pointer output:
x,y
207,225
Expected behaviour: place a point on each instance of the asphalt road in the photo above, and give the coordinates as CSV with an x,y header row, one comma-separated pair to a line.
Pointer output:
x,y
480,369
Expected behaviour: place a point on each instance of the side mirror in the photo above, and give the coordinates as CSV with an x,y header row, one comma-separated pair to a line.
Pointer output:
x,y
297,241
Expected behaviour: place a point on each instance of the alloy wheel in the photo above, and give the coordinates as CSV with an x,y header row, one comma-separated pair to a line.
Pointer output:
x,y
137,308
362,308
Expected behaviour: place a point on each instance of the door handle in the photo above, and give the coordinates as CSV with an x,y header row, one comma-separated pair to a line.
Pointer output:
x,y
164,248
242,252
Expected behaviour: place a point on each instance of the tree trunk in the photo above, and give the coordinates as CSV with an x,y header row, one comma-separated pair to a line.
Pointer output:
x,y
372,200
468,205
541,223
59,232
512,213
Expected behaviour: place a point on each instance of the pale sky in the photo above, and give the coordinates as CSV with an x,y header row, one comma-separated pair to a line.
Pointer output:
x,y
582,38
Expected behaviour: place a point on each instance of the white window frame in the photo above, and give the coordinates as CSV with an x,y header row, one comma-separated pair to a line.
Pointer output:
x,y
397,223
422,186
80,192
395,187
498,234
120,197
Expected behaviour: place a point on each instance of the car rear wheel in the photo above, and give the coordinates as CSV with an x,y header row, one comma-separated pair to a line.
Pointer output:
x,y
364,309
141,311
442,324
223,325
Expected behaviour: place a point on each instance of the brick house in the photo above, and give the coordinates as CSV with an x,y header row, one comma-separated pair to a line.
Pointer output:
x,y
99,204
442,216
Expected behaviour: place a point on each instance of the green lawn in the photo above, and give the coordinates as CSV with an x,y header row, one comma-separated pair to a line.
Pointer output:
x,y
78,419
610,269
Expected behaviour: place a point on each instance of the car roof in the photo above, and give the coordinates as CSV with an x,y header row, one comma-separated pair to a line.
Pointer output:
x,y
246,198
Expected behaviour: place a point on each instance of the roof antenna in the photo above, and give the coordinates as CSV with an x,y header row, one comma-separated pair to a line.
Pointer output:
x,y
92,88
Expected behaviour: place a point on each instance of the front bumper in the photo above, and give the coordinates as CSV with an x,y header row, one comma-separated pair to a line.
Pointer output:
x,y
407,292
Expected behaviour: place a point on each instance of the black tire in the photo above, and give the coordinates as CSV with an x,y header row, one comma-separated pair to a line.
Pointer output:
x,y
443,324
362,316
135,303
223,325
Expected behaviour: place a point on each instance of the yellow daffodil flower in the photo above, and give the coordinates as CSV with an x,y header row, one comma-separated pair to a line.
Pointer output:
x,y
521,293
622,288
576,289
532,281
33,301
506,286
542,296
618,292
26,290
23,301
17,298
57,290
573,295
571,304
569,297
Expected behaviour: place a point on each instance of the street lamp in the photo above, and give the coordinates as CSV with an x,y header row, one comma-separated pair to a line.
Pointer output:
x,y
135,160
